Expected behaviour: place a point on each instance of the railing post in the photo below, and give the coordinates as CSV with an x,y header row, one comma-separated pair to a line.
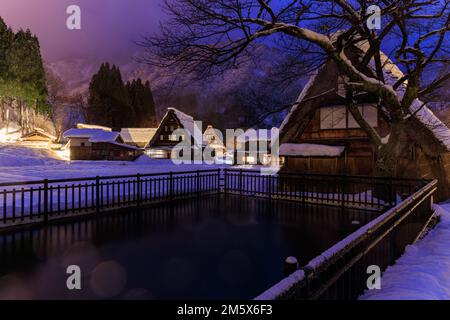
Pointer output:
x,y
198,183
97,194
171,186
225,175
240,181
46,200
138,197
343,189
218,180
269,181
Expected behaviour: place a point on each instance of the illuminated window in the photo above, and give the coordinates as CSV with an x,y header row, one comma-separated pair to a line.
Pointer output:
x,y
250,159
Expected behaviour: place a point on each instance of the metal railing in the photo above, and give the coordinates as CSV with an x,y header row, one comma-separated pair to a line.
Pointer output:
x,y
348,191
341,271
44,200
41,201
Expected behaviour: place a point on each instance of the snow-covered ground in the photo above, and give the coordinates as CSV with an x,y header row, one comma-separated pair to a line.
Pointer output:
x,y
21,163
423,271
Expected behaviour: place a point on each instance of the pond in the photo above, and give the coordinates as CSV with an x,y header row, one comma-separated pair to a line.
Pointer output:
x,y
214,247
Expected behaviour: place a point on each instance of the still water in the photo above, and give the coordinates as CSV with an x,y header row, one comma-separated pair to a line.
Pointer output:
x,y
214,247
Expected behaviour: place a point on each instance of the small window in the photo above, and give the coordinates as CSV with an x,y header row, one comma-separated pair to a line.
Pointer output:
x,y
83,144
369,113
166,128
333,117
172,128
161,137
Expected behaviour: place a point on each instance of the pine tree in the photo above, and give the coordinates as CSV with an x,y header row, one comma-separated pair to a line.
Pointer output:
x,y
22,75
109,102
141,99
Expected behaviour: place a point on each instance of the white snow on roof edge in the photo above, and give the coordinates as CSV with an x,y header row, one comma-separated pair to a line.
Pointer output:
x,y
301,97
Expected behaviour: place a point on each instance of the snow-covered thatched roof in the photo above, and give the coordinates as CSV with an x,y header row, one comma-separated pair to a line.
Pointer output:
x,y
39,131
187,122
310,150
419,110
94,135
137,136
422,119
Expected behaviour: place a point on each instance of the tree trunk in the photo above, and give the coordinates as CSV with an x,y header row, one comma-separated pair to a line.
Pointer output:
x,y
386,166
389,153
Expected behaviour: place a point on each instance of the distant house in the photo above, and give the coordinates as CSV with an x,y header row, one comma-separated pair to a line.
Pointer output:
x,y
163,142
321,136
138,137
37,138
259,139
98,144
215,141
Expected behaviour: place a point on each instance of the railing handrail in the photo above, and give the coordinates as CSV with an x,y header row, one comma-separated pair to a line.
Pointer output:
x,y
22,183
299,278
290,173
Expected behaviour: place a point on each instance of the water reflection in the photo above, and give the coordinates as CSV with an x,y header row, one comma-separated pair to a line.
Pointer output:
x,y
210,248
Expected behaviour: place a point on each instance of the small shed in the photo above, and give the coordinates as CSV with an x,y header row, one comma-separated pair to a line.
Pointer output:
x,y
38,138
98,144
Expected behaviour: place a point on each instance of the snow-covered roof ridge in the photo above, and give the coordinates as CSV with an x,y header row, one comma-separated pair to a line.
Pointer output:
x,y
310,150
92,126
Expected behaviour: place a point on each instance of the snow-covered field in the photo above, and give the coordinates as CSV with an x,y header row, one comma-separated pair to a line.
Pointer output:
x,y
423,271
25,164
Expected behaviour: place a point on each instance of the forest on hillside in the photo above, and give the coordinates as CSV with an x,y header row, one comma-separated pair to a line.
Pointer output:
x,y
22,75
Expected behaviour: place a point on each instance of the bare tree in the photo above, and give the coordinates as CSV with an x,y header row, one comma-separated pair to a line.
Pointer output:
x,y
205,37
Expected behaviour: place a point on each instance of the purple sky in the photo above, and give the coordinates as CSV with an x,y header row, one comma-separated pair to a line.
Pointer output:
x,y
108,26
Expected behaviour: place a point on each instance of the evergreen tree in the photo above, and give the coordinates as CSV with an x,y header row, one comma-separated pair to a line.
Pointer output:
x,y
22,75
141,99
109,102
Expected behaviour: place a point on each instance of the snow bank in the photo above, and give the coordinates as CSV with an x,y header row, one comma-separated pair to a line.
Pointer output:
x,y
310,150
423,271
15,156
